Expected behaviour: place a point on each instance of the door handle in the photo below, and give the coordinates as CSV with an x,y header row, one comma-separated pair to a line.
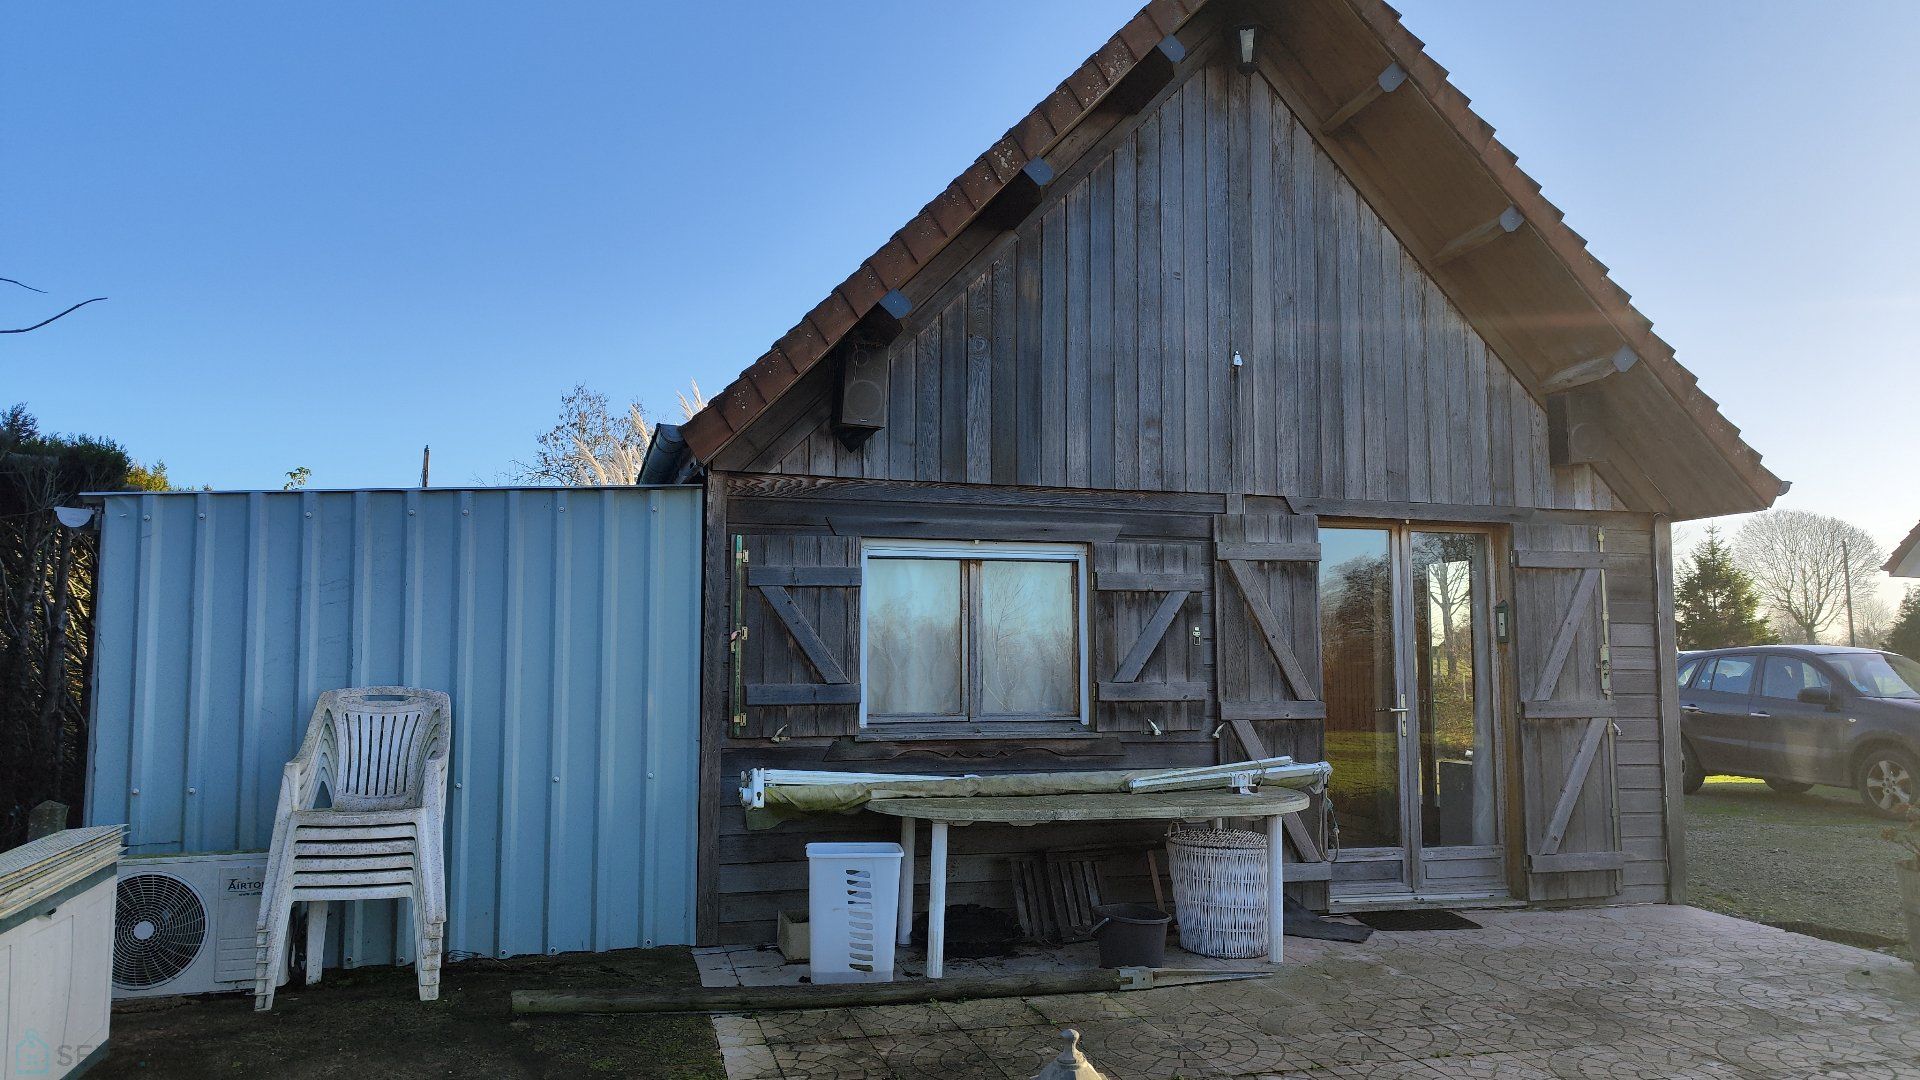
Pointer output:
x,y
1691,708
1759,715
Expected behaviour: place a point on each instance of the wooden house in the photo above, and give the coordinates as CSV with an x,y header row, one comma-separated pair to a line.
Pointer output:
x,y
1245,397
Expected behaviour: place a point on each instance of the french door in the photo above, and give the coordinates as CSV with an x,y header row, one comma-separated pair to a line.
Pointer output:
x,y
1406,650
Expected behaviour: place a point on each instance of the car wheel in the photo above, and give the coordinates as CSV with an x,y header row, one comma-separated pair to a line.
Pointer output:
x,y
1692,776
1788,787
1887,776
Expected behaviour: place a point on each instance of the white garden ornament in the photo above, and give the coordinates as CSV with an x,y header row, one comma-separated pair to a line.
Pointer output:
x,y
381,754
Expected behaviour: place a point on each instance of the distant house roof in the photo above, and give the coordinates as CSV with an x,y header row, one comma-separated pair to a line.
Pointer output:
x,y
1434,170
1906,556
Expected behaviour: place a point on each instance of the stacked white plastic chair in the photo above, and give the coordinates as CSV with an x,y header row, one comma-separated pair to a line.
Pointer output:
x,y
380,753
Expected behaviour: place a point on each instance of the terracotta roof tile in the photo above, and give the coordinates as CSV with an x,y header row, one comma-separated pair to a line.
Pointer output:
x,y
832,317
1140,35
1086,85
771,375
1034,133
706,428
803,345
1113,61
894,264
980,183
862,290
1062,110
1166,16
923,237
1005,158
951,210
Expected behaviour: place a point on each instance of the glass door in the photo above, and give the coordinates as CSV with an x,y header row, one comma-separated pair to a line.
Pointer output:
x,y
1409,732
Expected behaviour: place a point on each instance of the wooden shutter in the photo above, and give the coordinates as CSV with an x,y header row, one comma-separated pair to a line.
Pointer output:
x,y
1267,653
1566,712
799,662
1148,666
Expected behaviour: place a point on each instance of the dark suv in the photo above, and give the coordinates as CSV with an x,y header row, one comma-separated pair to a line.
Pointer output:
x,y
1799,715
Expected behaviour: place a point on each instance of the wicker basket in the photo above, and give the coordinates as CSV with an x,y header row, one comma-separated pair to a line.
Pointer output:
x,y
1220,891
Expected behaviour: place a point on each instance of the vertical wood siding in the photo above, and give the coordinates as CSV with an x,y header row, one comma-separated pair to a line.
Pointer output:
x,y
1093,347
563,623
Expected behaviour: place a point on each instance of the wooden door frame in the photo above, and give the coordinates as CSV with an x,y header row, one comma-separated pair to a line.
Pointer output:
x,y
1499,685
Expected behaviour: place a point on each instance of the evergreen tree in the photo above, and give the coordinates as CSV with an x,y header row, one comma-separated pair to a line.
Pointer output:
x,y
1716,602
1904,638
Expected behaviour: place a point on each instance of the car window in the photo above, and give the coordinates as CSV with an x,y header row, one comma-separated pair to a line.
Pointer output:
x,y
1785,676
1880,675
1686,672
1731,675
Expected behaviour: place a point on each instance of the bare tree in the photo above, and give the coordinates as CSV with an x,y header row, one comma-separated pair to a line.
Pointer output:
x,y
1803,564
591,446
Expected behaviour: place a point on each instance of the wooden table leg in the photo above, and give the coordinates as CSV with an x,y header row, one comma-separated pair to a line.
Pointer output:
x,y
937,901
1276,889
904,932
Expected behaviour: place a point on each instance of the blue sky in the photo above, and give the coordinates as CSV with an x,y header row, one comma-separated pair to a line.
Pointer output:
x,y
332,233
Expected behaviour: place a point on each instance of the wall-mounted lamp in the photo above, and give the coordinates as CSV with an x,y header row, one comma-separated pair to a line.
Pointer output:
x,y
73,517
1245,36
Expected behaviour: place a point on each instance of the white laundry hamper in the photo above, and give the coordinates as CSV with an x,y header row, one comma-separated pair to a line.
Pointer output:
x,y
852,901
1220,891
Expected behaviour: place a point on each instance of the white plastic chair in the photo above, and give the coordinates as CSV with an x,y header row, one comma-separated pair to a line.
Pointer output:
x,y
381,754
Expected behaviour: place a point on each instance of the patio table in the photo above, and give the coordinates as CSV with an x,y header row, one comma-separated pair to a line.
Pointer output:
x,y
1272,804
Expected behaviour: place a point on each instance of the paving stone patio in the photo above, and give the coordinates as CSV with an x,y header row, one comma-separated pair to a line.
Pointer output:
x,y
1643,992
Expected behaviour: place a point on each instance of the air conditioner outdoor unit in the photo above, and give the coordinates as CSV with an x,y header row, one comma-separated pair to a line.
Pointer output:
x,y
184,924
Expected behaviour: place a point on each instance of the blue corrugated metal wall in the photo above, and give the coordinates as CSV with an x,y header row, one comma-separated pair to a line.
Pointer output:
x,y
564,623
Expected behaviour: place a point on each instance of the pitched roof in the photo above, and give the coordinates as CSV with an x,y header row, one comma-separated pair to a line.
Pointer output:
x,y
1581,297
1901,553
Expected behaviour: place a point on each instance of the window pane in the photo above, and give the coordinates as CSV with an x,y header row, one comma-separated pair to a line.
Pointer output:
x,y
1686,672
1786,677
1029,650
1358,668
1457,802
913,637
1733,675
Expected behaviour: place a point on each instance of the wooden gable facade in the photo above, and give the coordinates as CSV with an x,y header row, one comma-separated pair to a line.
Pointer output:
x,y
1183,345
1095,346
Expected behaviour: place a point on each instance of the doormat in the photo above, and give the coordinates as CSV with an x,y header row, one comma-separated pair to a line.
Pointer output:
x,y
1416,919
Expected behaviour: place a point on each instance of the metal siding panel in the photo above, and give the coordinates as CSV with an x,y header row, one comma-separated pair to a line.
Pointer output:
x,y
616,901
672,680
571,822
115,618
159,802
216,780
569,643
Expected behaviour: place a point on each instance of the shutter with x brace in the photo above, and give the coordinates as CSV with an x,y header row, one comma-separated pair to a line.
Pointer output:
x,y
1149,659
1267,653
1566,712
797,658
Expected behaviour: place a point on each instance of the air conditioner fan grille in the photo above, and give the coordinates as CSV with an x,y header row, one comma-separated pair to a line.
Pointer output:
x,y
160,925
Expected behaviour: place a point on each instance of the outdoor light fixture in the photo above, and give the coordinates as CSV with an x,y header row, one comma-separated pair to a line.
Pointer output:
x,y
1245,35
73,517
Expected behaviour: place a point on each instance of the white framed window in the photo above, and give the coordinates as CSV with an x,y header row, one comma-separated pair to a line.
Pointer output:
x,y
972,632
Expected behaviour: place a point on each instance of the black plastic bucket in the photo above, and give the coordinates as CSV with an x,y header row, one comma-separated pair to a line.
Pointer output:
x,y
1131,935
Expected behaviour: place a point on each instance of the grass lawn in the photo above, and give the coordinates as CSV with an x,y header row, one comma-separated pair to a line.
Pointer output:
x,y
368,1022
1811,863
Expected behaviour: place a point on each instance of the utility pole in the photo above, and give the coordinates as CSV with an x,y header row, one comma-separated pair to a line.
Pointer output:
x,y
1846,568
426,463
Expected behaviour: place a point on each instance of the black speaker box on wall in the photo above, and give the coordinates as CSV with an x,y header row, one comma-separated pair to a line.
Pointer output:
x,y
860,403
